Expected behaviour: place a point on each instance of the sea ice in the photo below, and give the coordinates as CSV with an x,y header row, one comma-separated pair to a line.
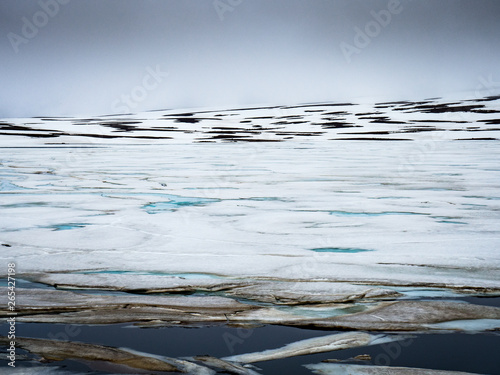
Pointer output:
x,y
251,201
341,369
310,346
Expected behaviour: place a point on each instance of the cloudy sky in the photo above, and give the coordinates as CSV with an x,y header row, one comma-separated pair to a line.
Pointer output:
x,y
91,57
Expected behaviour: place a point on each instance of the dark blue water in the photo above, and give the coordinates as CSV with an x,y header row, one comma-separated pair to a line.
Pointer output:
x,y
477,353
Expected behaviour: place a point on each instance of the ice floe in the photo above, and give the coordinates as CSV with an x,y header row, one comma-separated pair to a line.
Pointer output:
x,y
54,350
315,345
341,369
58,306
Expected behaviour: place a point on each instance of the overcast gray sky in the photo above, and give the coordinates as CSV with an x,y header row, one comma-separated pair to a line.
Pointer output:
x,y
91,57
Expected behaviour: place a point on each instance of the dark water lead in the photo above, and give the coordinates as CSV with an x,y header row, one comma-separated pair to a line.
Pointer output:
x,y
476,353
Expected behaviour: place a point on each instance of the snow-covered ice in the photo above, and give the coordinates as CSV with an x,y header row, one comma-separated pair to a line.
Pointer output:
x,y
366,217
291,200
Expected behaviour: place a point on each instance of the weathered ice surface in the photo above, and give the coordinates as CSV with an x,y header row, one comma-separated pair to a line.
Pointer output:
x,y
310,346
41,305
390,316
53,350
39,300
411,315
138,283
290,293
283,292
341,369
56,306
